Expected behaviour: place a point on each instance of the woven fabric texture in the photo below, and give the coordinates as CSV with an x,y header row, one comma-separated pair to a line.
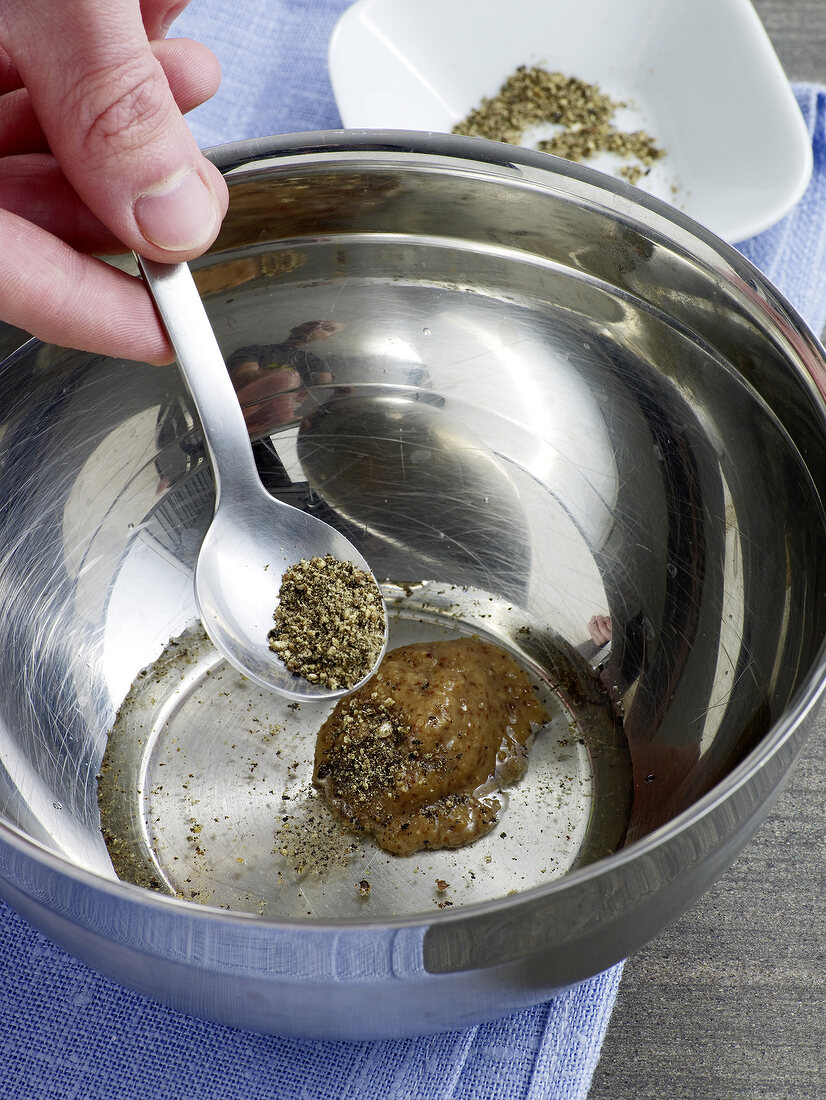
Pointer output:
x,y
66,1033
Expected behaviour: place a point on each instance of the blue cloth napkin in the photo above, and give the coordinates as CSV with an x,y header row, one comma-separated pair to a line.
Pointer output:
x,y
793,253
66,1033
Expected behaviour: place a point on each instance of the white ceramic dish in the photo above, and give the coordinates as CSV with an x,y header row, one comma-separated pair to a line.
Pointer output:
x,y
701,76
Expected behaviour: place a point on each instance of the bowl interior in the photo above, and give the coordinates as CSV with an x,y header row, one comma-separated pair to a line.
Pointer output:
x,y
527,412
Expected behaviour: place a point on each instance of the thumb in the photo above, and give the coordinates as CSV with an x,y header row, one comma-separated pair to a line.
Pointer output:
x,y
110,119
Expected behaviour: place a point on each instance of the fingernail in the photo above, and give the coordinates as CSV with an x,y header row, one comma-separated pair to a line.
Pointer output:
x,y
179,216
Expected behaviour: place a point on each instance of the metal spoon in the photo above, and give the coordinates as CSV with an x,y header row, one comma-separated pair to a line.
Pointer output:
x,y
253,538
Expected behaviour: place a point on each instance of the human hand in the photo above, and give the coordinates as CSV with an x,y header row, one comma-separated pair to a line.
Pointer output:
x,y
268,398
599,627
94,156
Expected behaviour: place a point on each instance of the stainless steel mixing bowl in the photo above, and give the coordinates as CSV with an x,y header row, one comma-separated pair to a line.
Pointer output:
x,y
543,400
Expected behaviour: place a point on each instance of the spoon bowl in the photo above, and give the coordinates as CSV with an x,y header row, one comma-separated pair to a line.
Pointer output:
x,y
253,537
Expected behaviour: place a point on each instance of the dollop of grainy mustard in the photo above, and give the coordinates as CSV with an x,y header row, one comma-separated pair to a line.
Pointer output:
x,y
415,757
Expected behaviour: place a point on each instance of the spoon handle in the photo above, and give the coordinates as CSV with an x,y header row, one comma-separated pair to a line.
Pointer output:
x,y
205,373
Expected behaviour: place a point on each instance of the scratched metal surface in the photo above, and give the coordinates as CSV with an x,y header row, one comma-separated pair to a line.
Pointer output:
x,y
549,455
731,1001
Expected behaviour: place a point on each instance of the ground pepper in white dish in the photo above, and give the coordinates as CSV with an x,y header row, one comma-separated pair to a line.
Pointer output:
x,y
583,112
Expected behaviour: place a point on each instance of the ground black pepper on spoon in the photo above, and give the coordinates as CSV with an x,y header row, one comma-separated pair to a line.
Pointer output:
x,y
254,539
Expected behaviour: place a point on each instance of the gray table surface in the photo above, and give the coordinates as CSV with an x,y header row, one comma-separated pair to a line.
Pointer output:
x,y
730,1002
